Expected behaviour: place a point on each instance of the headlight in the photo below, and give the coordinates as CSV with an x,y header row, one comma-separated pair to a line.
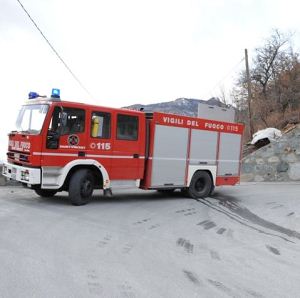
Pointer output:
x,y
25,175
4,170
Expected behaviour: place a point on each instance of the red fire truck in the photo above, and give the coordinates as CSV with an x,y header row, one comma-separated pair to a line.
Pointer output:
x,y
68,146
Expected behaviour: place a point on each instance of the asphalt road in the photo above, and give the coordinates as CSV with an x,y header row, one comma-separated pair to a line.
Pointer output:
x,y
242,242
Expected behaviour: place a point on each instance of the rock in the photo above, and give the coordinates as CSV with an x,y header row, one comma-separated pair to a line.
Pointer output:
x,y
282,167
280,177
247,177
295,143
278,161
294,171
273,159
247,168
288,149
279,147
291,157
258,178
267,152
260,161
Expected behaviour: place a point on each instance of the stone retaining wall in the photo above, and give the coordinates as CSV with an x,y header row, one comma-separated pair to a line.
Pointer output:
x,y
278,161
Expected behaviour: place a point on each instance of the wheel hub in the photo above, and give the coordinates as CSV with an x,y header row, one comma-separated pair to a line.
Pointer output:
x,y
199,186
86,188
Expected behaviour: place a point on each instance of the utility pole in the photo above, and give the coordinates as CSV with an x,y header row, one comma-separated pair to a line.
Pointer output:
x,y
249,93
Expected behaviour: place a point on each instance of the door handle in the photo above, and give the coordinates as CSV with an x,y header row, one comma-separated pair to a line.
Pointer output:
x,y
135,155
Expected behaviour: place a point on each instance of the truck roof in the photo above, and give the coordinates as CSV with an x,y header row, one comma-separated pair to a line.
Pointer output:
x,y
54,101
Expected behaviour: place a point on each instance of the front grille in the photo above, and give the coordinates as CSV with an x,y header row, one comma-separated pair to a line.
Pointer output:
x,y
16,156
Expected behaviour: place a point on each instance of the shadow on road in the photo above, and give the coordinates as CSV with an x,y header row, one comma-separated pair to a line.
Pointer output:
x,y
118,197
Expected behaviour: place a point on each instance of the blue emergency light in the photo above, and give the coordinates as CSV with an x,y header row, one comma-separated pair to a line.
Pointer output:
x,y
33,95
55,93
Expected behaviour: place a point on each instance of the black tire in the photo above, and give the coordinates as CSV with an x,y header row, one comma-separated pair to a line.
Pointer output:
x,y
201,185
45,193
212,189
81,187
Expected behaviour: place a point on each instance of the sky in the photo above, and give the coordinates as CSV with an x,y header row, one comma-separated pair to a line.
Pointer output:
x,y
133,51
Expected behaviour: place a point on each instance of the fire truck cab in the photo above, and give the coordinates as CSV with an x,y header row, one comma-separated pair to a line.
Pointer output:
x,y
68,146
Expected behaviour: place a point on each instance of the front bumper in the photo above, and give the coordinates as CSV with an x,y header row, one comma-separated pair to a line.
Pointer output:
x,y
22,174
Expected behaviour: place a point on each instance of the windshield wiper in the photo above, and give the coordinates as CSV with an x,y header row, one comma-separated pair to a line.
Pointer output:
x,y
32,131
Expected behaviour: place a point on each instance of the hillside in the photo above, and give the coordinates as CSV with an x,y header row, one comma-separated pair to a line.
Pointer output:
x,y
180,106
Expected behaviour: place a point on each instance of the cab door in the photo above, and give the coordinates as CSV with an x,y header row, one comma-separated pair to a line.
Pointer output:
x,y
64,141
128,146
66,136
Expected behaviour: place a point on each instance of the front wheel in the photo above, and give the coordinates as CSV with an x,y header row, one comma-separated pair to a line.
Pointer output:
x,y
201,185
81,187
45,193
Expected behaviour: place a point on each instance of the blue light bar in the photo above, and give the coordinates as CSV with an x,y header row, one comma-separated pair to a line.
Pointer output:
x,y
33,95
55,93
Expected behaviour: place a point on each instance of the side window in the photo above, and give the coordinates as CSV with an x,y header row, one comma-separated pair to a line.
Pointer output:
x,y
64,121
127,127
100,125
55,120
75,121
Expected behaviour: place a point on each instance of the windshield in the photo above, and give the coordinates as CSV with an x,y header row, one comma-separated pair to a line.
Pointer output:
x,y
31,118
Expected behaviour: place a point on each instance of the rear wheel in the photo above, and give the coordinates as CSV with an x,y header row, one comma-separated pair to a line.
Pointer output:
x,y
81,187
201,185
45,193
212,189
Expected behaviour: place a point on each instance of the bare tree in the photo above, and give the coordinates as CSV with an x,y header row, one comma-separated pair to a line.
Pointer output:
x,y
275,81
270,60
222,95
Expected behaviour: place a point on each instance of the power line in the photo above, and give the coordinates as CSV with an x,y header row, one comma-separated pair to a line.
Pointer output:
x,y
55,51
225,76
